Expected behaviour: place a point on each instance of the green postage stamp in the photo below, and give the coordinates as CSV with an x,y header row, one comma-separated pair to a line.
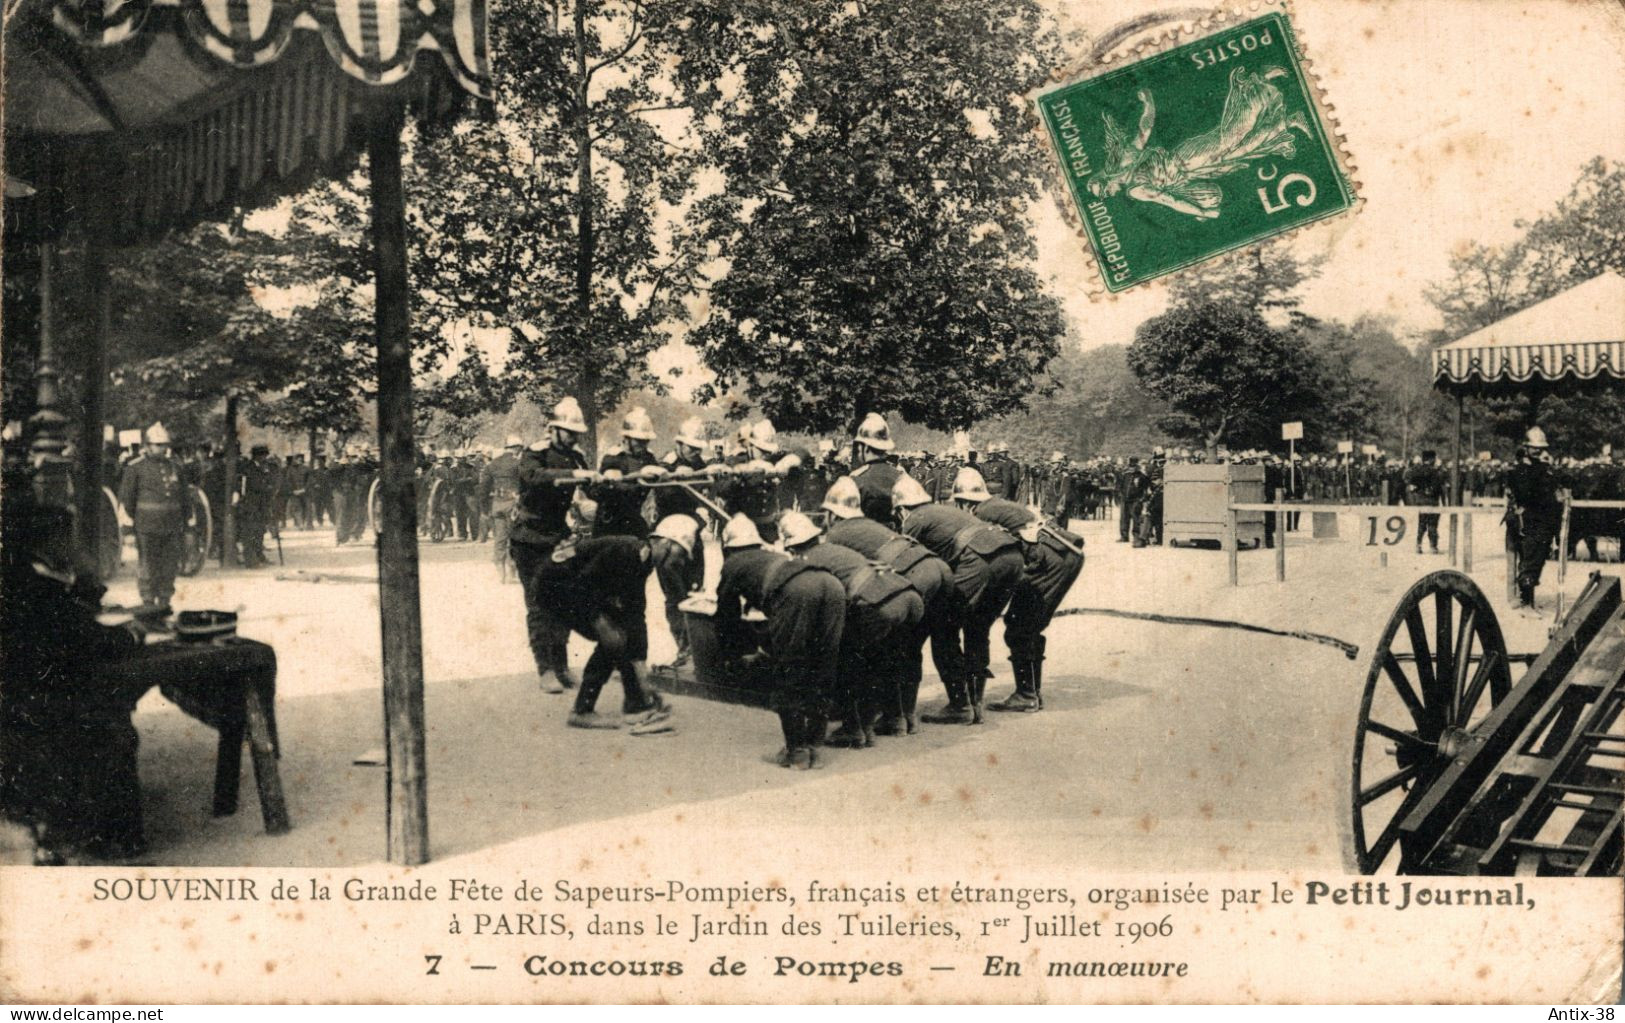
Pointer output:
x,y
1202,148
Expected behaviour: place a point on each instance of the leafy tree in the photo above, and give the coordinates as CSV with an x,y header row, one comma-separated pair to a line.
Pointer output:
x,y
1092,404
560,218
1264,280
1582,237
1226,375
874,224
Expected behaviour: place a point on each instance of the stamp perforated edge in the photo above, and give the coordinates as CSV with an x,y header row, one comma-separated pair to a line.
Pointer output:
x,y
1134,48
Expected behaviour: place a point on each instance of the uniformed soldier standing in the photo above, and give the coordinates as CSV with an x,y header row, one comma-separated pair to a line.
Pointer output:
x,y
806,613
1052,559
259,484
931,578
1534,511
677,550
154,495
875,476
298,485
540,523
619,495
1424,485
499,489
882,612
755,489
987,565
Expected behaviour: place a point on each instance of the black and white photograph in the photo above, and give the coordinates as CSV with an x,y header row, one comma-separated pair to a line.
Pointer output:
x,y
812,500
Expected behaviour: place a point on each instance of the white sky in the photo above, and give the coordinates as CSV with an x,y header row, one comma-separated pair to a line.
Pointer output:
x,y
1463,117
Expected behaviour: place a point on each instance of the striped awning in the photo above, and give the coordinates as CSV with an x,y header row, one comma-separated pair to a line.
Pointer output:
x,y
375,41
142,116
1575,336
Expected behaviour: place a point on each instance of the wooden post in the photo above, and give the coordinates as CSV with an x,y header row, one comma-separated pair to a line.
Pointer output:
x,y
1453,517
1280,535
406,774
1467,541
92,504
1231,544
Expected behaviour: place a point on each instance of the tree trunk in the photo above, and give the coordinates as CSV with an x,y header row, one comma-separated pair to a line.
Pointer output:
x,y
401,624
228,514
586,242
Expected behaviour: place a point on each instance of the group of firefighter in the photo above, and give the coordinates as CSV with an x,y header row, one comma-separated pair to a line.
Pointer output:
x,y
834,589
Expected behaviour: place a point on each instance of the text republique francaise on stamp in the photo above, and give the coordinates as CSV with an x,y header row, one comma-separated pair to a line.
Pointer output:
x,y
1197,150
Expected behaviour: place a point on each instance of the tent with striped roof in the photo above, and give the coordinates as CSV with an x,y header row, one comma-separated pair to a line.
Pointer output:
x,y
130,118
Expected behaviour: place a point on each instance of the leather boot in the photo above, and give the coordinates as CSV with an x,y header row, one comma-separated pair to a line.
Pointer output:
x,y
1024,699
561,664
958,711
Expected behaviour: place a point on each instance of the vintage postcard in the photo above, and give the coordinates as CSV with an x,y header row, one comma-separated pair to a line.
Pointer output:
x,y
926,501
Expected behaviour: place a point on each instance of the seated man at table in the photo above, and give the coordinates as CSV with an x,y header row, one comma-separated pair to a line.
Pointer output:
x,y
67,748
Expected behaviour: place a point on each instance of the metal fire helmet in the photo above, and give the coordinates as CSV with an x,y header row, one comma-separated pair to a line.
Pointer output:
x,y
740,532
843,500
763,437
692,433
795,529
682,530
907,493
874,433
156,434
637,425
970,486
567,416
583,513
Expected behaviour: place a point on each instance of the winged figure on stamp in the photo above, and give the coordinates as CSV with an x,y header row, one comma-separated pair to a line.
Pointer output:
x,y
1255,124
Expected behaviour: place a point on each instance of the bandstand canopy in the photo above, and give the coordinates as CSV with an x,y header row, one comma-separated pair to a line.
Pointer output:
x,y
1573,340
145,115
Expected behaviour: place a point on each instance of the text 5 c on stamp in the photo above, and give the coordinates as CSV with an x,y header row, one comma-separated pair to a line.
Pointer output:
x,y
1203,148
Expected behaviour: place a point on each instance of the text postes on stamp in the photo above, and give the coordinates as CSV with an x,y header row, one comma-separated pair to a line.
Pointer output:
x,y
1197,150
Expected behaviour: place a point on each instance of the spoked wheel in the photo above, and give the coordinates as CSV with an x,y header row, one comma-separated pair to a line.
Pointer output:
x,y
437,511
1439,666
110,539
199,533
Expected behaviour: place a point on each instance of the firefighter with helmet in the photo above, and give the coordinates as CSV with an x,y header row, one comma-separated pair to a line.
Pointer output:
x,y
540,524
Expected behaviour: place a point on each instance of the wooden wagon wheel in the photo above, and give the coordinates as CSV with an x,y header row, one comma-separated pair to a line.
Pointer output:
x,y
110,538
1439,656
375,509
199,533
437,497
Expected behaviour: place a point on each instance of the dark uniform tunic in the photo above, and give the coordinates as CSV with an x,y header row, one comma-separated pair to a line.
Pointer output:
x,y
499,490
806,614
755,494
259,489
153,494
943,608
1052,562
987,566
539,523
67,748
595,586
882,612
1536,513
620,502
1424,485
875,481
